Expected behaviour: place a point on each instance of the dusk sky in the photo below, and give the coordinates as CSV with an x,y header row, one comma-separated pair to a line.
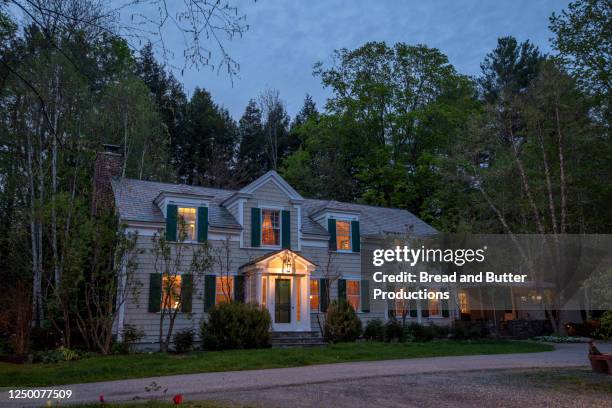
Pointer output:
x,y
287,37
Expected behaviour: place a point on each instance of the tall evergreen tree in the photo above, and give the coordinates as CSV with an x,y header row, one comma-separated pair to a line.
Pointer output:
x,y
251,160
205,148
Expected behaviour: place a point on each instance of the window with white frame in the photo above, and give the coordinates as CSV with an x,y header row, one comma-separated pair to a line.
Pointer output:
x,y
187,223
433,305
171,291
353,294
270,227
343,235
464,305
224,289
314,295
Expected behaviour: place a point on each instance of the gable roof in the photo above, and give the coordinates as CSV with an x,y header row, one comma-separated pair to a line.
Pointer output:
x,y
134,200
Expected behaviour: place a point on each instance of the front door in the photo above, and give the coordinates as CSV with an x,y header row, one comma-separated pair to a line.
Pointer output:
x,y
282,301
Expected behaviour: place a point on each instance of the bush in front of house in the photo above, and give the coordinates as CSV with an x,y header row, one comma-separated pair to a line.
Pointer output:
x,y
605,326
183,340
236,326
468,330
419,332
394,331
341,322
56,356
374,330
586,329
131,336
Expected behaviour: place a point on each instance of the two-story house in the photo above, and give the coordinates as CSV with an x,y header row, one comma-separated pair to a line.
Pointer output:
x,y
287,253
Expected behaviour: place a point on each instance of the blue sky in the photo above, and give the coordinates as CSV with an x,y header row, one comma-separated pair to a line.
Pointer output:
x,y
286,37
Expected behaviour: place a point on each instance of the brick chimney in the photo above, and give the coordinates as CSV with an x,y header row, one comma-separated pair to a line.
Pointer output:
x,y
108,165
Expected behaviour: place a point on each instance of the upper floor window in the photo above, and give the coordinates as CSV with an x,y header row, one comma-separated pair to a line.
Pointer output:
x,y
171,291
270,227
187,220
343,235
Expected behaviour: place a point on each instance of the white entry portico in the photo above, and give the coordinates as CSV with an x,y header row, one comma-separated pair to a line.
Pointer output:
x,y
280,281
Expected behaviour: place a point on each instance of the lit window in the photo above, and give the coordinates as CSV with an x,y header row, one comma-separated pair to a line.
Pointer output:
x,y
264,292
353,294
298,301
314,295
187,221
270,227
401,308
434,307
225,289
343,235
464,305
171,291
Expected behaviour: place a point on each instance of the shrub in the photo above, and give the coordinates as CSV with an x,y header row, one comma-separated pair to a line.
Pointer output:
x,y
236,326
131,336
605,326
56,356
586,329
375,330
341,322
394,331
420,332
466,330
183,340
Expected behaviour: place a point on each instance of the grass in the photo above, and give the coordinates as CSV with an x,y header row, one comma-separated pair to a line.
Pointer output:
x,y
118,367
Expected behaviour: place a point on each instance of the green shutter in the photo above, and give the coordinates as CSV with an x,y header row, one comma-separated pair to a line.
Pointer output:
x,y
286,229
355,238
202,224
171,215
444,302
210,291
413,308
365,295
391,309
239,288
155,283
342,289
331,228
255,227
186,293
323,298
425,309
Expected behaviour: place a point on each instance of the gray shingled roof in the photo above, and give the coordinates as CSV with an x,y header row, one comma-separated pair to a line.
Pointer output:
x,y
134,202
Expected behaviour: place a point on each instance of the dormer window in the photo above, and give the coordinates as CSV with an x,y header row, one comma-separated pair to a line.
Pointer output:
x,y
187,220
343,235
270,227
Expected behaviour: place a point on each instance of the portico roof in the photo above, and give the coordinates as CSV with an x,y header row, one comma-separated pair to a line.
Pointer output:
x,y
276,254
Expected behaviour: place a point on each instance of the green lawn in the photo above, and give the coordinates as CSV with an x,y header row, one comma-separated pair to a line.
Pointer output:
x,y
119,367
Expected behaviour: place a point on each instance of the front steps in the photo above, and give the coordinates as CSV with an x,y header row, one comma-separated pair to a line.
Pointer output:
x,y
297,339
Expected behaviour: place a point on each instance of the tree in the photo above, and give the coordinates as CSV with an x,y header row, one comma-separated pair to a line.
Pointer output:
x,y
182,266
206,146
251,152
275,127
308,111
509,69
584,43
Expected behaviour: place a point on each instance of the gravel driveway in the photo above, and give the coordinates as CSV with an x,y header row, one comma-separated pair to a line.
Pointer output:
x,y
499,388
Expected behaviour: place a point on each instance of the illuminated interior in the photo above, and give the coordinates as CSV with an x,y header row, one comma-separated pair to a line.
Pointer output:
x,y
188,217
